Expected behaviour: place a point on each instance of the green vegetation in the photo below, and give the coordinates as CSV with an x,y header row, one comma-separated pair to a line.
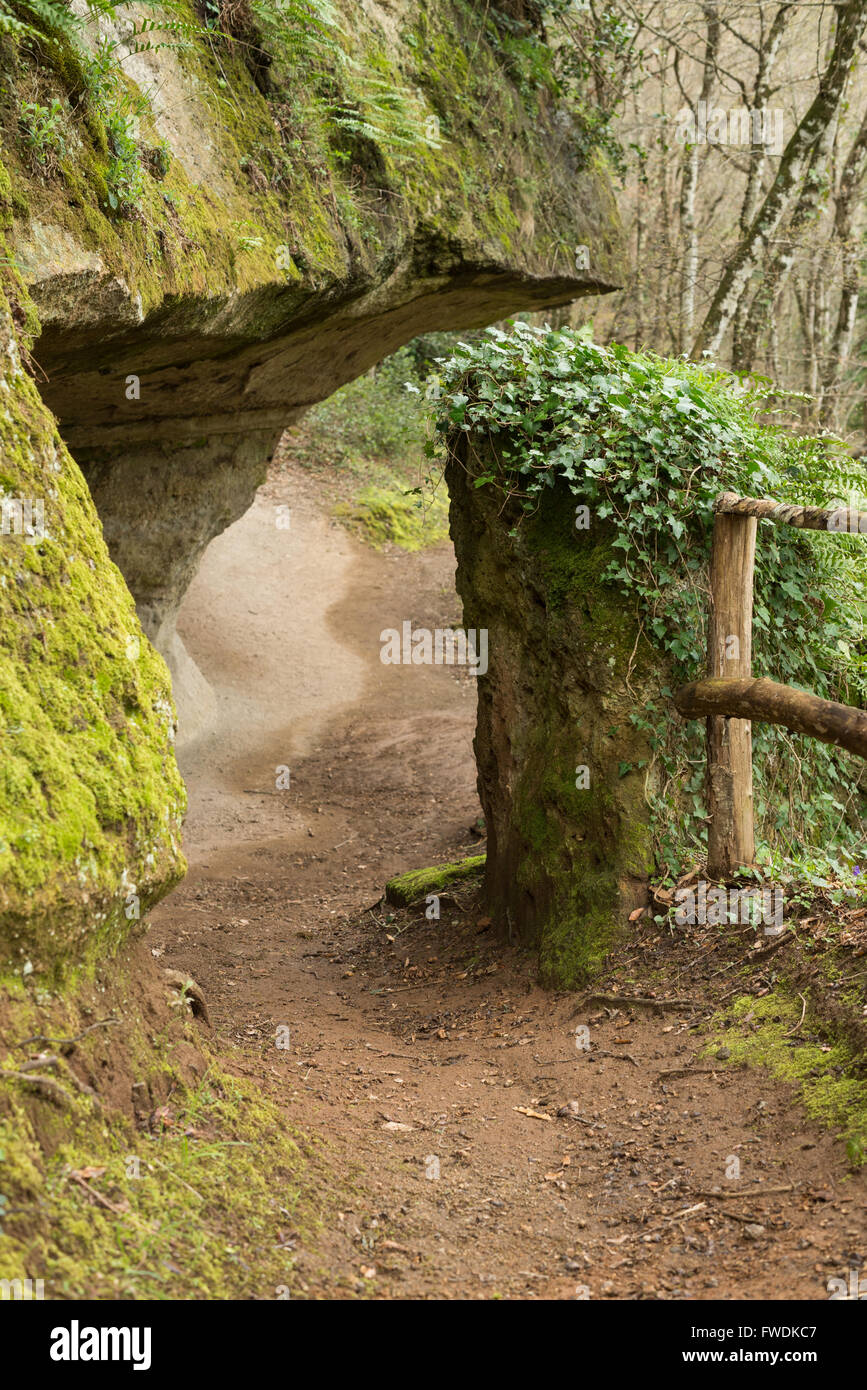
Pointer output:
x,y
765,1032
199,1216
645,445
391,515
173,1179
44,131
368,442
330,135
38,19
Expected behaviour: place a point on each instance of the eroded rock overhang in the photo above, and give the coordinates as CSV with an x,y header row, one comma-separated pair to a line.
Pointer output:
x,y
175,464
178,342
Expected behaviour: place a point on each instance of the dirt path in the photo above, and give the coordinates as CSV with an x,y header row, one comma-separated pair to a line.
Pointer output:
x,y
423,1051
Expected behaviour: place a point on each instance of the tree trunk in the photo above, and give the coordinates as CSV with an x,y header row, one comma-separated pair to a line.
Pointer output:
x,y
848,201
796,159
689,187
761,310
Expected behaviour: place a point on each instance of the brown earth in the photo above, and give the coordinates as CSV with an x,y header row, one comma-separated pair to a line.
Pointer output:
x,y
423,1047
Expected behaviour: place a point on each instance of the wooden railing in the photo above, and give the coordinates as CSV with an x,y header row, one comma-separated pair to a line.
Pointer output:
x,y
731,698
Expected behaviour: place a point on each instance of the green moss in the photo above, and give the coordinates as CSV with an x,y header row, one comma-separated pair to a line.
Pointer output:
x,y
5,198
91,800
201,1221
765,1032
580,844
323,210
200,1204
390,515
412,887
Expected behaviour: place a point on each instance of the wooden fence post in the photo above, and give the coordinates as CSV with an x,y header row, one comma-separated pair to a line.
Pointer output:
x,y
731,839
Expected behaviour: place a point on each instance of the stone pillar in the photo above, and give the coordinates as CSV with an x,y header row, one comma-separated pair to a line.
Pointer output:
x,y
162,502
569,840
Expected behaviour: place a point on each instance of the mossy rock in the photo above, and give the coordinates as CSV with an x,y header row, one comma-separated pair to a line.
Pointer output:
x,y
411,888
91,800
562,765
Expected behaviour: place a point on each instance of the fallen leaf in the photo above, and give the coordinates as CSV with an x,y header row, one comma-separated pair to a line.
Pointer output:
x,y
534,1114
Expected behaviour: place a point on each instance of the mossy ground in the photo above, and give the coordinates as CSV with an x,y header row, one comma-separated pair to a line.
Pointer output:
x,y
366,447
774,1032
215,1194
391,516
198,1188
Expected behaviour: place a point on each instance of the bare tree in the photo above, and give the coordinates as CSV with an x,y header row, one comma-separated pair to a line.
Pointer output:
x,y
848,197
794,166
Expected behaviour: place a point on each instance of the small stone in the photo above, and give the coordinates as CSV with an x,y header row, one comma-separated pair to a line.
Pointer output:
x,y
570,1111
723,1054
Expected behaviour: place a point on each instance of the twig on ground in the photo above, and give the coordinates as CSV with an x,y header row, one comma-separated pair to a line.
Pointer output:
x,y
51,1089
797,1026
687,1071
41,1037
618,1056
765,951
756,1192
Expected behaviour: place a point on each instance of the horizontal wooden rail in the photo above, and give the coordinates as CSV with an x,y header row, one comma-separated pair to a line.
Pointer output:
x,y
837,520
771,703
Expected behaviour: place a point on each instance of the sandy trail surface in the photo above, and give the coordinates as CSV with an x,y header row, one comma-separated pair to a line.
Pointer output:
x,y
422,1052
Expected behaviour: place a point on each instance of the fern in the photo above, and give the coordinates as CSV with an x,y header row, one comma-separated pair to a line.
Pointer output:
x,y
50,20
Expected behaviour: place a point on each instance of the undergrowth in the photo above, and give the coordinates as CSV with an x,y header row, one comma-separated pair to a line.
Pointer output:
x,y
368,440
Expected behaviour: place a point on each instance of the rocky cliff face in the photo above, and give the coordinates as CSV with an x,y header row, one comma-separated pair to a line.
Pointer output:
x,y
91,801
220,229
280,248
